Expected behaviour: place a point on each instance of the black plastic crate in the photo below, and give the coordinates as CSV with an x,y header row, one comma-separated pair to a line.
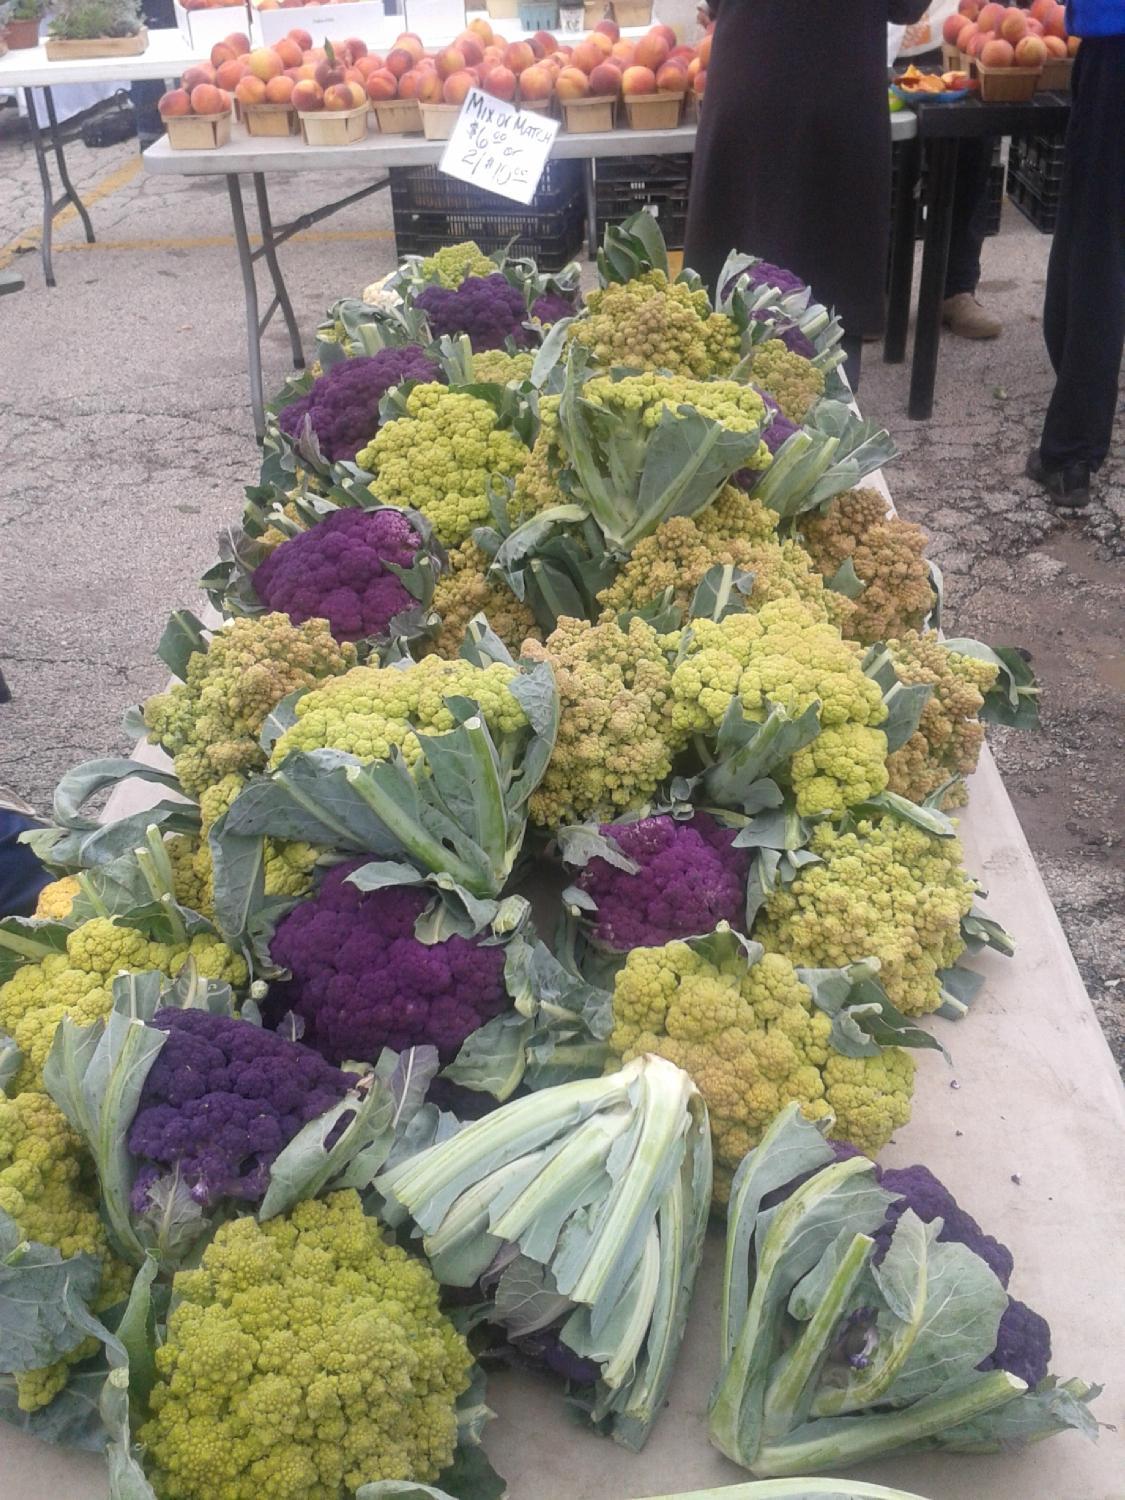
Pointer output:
x,y
1041,212
624,186
643,171
1042,155
426,189
552,239
669,212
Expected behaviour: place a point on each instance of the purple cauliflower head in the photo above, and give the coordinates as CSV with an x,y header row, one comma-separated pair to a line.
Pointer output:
x,y
690,879
340,570
487,308
362,981
221,1100
552,307
765,273
789,334
343,404
1023,1344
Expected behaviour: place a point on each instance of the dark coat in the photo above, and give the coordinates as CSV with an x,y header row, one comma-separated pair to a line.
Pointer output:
x,y
793,155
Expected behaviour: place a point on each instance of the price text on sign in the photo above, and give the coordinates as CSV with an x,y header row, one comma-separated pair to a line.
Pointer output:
x,y
498,147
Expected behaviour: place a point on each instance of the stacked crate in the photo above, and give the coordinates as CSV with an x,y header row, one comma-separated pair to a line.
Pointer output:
x,y
624,185
1035,167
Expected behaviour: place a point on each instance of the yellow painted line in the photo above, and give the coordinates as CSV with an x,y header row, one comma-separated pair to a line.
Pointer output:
x,y
217,241
113,181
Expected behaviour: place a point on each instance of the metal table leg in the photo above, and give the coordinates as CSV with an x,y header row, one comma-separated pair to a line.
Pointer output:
x,y
250,291
64,175
48,188
935,260
591,209
902,253
270,252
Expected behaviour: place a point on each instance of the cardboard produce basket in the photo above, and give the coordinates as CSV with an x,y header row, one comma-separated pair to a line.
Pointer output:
x,y
397,116
653,111
537,106
1055,77
334,127
1007,85
198,132
270,119
595,112
64,48
632,12
438,120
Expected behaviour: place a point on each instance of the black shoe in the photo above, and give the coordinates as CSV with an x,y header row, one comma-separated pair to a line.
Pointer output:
x,y
1068,487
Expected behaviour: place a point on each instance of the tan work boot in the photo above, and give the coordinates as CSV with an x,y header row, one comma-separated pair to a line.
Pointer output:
x,y
966,318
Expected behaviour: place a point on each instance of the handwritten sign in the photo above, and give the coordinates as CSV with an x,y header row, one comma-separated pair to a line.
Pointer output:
x,y
498,147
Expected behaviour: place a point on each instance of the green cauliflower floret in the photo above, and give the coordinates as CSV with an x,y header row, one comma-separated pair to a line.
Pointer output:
x,y
56,899
537,483
949,736
737,407
78,983
753,1041
210,723
304,1358
887,891
494,365
793,381
653,324
785,655
467,590
371,709
440,457
450,265
887,554
48,1186
616,739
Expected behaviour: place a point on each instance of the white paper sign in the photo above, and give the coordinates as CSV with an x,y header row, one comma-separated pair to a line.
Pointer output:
x,y
498,147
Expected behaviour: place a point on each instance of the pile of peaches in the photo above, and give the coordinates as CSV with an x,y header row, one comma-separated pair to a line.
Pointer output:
x,y
1007,37
291,72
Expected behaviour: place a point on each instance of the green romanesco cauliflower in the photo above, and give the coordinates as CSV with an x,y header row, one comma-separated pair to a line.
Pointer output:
x,y
304,1358
734,515
500,368
467,590
370,709
78,983
784,654
653,324
537,483
440,457
48,1186
737,407
616,740
210,723
753,1041
56,899
450,265
793,381
949,736
887,555
887,891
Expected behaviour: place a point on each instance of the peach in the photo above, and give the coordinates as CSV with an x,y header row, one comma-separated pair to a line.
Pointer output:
x,y
265,63
482,29
175,102
250,90
328,73
694,68
1034,27
671,79
605,79
572,83
351,49
410,42
1055,46
586,56
1040,9
228,74
699,83
400,61
610,29
1013,26
500,82
307,95
625,52
990,17
953,27
687,53
456,87
239,41
536,83
302,38
290,54
451,60
652,51
280,90
206,99
473,49
546,41
703,51
222,52
968,30
196,74
493,56
337,96
638,80
358,93
970,8
518,56
997,54
1031,52
1072,45
666,32
1054,22
603,43
382,84
370,63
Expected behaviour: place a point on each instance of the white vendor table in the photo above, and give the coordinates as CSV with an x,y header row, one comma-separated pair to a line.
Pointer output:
x,y
166,56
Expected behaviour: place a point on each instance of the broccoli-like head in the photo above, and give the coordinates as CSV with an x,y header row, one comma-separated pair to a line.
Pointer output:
x,y
221,1099
343,404
342,570
489,309
362,981
650,323
452,263
689,880
795,383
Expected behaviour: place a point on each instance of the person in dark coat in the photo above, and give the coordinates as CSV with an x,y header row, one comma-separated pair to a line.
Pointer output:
x,y
793,154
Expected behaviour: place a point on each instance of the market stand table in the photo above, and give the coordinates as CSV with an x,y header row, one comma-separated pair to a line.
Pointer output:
x,y
942,127
260,156
27,68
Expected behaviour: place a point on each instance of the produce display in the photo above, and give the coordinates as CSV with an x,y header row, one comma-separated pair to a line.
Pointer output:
x,y
550,853
1010,36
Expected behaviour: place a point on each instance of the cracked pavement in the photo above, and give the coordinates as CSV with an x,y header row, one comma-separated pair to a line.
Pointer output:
x,y
126,439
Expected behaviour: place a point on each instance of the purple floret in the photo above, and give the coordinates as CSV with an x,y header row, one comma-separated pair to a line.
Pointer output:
x,y
789,334
552,307
765,273
222,1098
780,430
917,1188
487,308
362,981
343,404
339,571
690,879
1023,1344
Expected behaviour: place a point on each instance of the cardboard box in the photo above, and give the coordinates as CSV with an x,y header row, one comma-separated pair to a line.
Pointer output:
x,y
201,29
364,19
